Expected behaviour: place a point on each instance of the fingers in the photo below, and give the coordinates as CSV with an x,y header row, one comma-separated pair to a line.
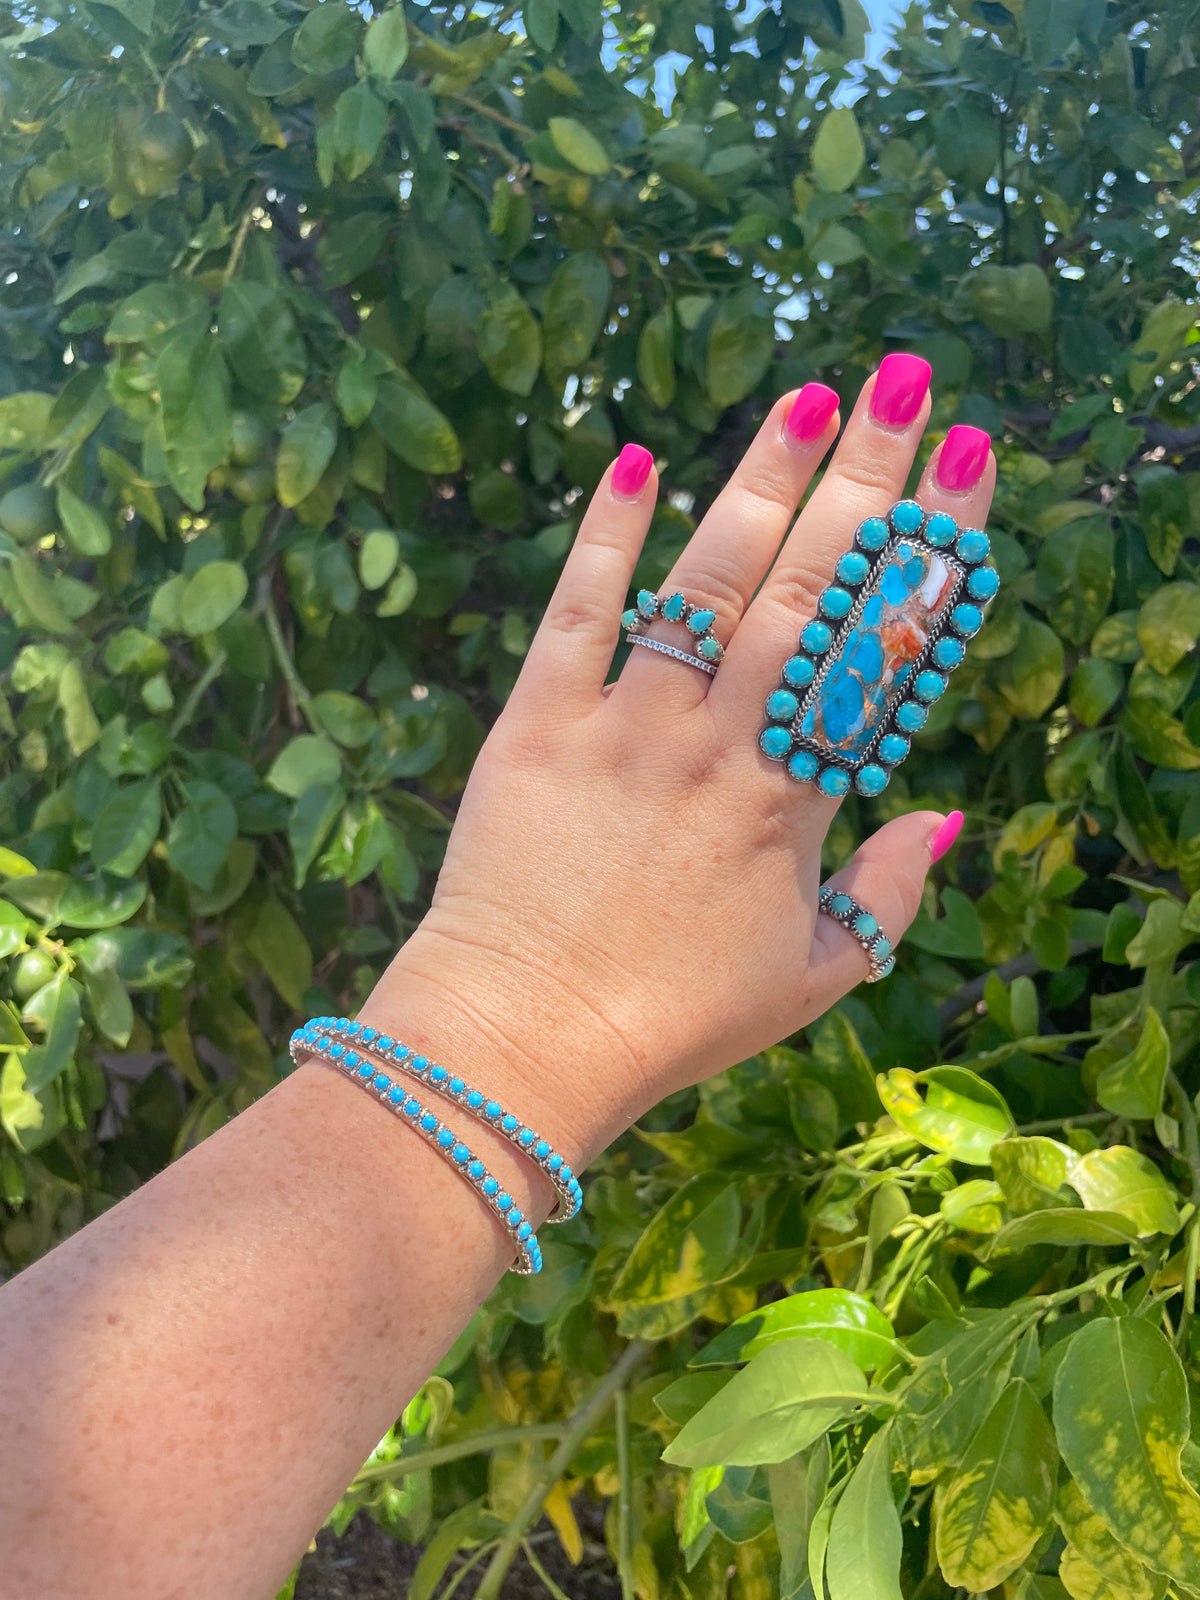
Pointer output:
x,y
572,650
732,550
886,877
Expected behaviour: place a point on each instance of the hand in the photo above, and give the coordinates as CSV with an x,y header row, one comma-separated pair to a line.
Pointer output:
x,y
629,898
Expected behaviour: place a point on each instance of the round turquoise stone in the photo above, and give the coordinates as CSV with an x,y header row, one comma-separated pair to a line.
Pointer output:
x,y
865,925
673,608
382,1081
929,686
710,649
461,1154
833,782
972,545
803,766
775,743
948,653
429,1122
701,621
782,705
629,618
647,603
798,671
911,716
445,1138
816,637
941,529
872,779
882,948
396,1093
893,748
887,966
966,620
836,602
907,516
853,567
872,534
841,904
982,584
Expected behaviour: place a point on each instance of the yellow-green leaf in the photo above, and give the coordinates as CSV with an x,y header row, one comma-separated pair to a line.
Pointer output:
x,y
837,152
947,1108
579,146
1094,1566
1125,1181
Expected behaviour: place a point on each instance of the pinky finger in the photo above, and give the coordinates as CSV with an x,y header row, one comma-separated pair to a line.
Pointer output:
x,y
572,650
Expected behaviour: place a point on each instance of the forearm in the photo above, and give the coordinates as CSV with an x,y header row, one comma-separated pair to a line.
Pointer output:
x,y
258,1313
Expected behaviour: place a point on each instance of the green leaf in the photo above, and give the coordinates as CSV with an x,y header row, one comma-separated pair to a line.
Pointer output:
x,y
541,23
359,124
87,530
786,1398
839,1316
30,1120
741,343
573,312
58,1010
838,152
202,834
306,447
1064,1225
1031,1172
326,39
1133,1086
212,596
579,146
308,761
377,558
1094,1566
1075,576
959,1113
1096,686
655,358
957,933
1164,511
143,958
131,650
385,48
357,387
197,415
314,813
414,429
1011,301
865,1544
1121,1439
1168,624
346,719
1163,333
110,1005
126,827
1118,1179
1158,737
400,594
691,1244
277,944
79,720
1028,680
509,341
260,338
798,1487
993,1511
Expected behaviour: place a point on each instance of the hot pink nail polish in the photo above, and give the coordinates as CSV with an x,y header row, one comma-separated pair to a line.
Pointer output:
x,y
962,458
811,413
901,384
630,471
945,836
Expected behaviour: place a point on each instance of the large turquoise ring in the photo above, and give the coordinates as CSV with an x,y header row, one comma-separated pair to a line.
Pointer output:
x,y
706,652
907,596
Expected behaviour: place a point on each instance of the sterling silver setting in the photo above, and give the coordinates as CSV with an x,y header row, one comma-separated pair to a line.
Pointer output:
x,y
698,620
670,650
864,925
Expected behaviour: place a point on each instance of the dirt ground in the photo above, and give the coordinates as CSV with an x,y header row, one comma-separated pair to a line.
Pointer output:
x,y
368,1564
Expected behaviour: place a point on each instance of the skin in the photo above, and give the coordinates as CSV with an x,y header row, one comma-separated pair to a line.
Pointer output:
x,y
189,1382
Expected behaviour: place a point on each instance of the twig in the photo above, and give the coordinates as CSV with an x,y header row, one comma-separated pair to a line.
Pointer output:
x,y
239,240
552,1470
1022,966
554,1591
301,699
477,1444
199,689
624,1499
496,116
1084,1120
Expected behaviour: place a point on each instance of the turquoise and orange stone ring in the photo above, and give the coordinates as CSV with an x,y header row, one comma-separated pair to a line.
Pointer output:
x,y
863,925
706,652
889,630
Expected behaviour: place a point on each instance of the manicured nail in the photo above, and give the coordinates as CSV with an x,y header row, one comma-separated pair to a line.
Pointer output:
x,y
901,384
631,471
811,413
945,836
963,457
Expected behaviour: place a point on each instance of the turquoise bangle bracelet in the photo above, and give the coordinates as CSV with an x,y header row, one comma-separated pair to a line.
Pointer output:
x,y
314,1041
398,1057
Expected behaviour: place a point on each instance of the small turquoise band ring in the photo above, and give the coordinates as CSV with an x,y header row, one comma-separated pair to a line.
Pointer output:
x,y
397,1057
707,651
396,1098
863,925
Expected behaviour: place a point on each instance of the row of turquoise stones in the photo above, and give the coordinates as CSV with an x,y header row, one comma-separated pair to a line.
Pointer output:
x,y
865,928
399,1056
853,569
311,1041
675,608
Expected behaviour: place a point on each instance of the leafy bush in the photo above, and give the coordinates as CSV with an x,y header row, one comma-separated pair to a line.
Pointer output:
x,y
315,328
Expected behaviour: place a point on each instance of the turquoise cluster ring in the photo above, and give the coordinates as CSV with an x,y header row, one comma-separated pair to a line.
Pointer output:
x,y
864,925
906,598
707,652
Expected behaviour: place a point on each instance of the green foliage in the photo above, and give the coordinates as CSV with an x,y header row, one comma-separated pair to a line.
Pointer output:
x,y
316,329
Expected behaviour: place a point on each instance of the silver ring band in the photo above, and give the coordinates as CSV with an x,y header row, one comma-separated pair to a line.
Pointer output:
x,y
670,650
863,924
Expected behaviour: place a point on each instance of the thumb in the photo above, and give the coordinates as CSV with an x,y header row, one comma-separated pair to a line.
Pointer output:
x,y
886,878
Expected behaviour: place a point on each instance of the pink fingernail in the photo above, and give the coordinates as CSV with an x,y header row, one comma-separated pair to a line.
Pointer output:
x,y
963,457
901,384
945,836
811,412
631,470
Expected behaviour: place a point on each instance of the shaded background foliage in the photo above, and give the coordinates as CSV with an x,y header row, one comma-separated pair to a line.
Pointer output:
x,y
317,326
